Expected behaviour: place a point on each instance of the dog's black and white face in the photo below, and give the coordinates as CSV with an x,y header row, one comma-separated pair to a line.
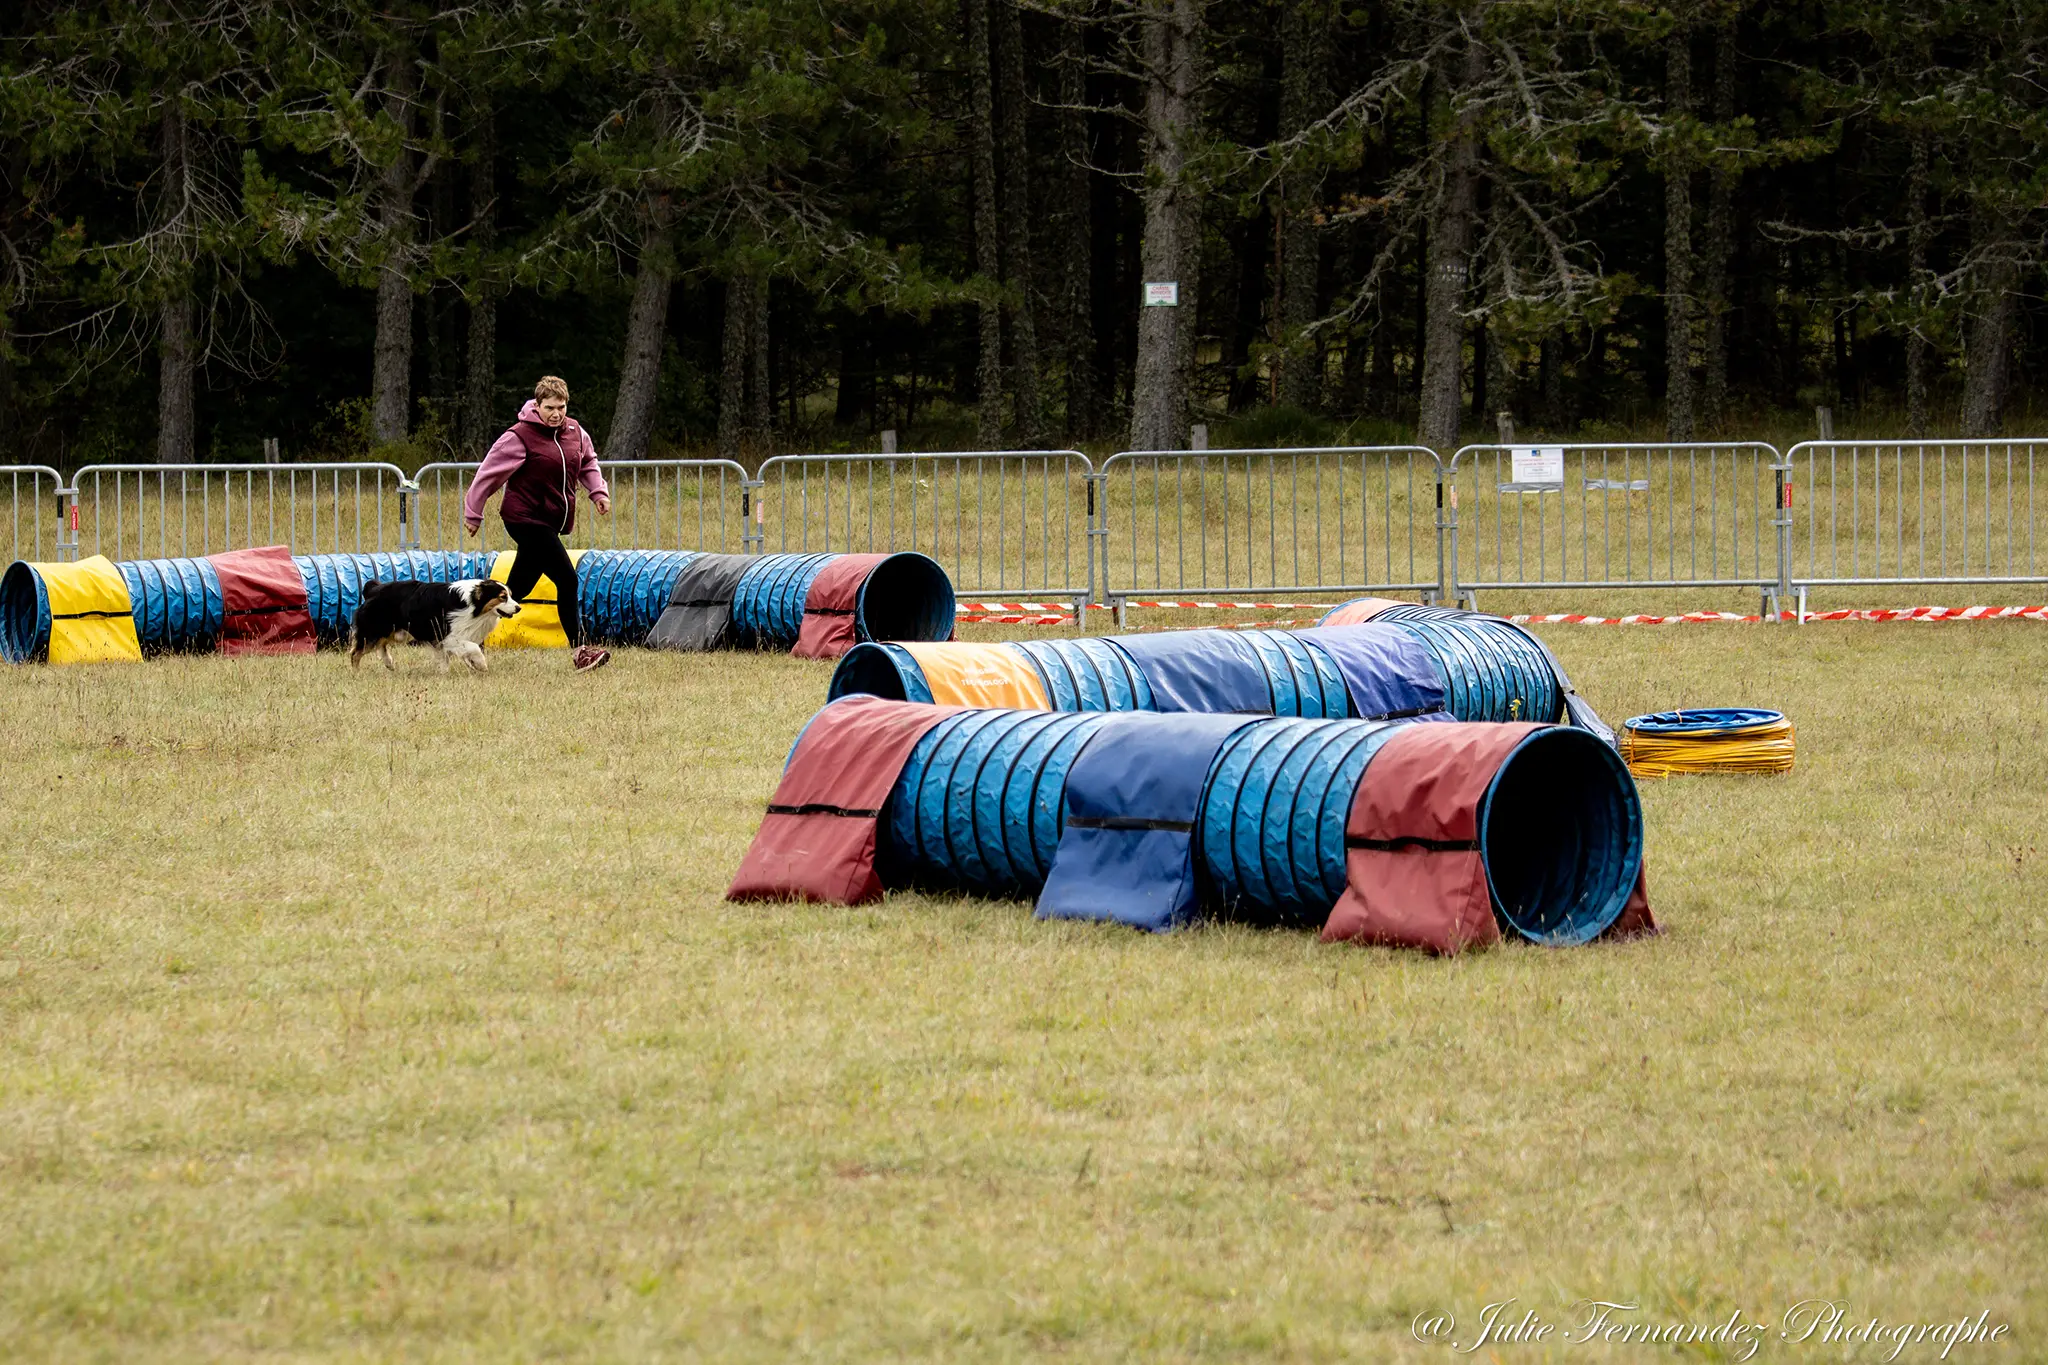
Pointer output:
x,y
487,596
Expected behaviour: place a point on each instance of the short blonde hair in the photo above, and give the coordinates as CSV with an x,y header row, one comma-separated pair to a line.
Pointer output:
x,y
551,386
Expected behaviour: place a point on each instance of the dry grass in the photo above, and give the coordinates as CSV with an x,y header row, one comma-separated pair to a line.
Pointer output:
x,y
398,1018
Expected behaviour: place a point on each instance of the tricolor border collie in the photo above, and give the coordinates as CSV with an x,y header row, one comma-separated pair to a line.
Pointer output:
x,y
455,618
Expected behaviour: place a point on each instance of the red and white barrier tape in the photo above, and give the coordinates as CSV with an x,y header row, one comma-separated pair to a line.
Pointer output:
x,y
1845,614
1015,620
975,609
966,607
1238,606
1017,614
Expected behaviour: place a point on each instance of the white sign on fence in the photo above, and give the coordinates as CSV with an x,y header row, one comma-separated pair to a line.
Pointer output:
x,y
1538,466
1162,294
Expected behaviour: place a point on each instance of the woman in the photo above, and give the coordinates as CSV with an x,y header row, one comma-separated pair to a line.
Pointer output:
x,y
539,462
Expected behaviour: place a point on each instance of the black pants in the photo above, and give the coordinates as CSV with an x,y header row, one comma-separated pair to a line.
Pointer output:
x,y
541,552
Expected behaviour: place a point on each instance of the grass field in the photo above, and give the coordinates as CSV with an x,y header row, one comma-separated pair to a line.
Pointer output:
x,y
399,1018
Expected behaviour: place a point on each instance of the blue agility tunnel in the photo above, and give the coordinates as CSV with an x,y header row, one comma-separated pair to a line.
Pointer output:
x,y
768,604
1402,660
1494,670
178,603
986,803
1368,672
904,596
981,801
621,593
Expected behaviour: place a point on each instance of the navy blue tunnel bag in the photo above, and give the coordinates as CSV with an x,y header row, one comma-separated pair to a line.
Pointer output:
x,y
1127,854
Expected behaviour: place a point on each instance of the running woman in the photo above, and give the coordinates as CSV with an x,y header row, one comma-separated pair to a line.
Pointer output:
x,y
540,462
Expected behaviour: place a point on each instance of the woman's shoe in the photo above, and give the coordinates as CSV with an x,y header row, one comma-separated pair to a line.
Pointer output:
x,y
588,657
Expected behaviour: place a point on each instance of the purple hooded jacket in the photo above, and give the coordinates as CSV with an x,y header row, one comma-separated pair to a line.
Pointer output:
x,y
539,467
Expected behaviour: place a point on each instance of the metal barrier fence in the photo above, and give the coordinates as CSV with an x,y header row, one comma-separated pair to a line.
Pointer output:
x,y
1612,516
145,511
1211,524
35,511
1917,512
1350,519
1009,522
656,505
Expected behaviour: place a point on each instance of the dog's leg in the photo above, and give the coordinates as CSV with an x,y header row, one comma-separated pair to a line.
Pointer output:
x,y
473,655
446,658
355,655
388,664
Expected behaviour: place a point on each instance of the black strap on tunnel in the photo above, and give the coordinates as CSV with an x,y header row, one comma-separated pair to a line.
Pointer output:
x,y
1128,822
1409,841
824,808
89,615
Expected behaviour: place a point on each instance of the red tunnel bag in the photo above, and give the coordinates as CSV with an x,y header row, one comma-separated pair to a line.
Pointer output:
x,y
265,601
817,842
1412,872
827,631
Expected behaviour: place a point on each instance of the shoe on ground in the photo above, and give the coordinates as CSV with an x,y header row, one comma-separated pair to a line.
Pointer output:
x,y
588,657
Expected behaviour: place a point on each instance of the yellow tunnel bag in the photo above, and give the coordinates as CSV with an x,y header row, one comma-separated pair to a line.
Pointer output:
x,y
539,622
981,675
92,619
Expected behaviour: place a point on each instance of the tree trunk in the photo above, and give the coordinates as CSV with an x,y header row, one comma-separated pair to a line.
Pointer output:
x,y
1550,382
1678,243
646,330
176,428
1719,245
1082,392
855,400
1304,44
1017,219
176,422
732,371
981,151
1171,45
1482,371
1450,250
1988,358
1917,233
761,395
1239,296
1385,400
441,357
391,376
480,382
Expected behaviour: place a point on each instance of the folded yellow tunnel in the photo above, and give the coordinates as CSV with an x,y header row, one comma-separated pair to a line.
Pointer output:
x,y
539,622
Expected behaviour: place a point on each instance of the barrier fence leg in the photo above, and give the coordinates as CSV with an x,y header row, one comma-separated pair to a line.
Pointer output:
x,y
67,525
753,530
1446,543
1776,600
408,528
1097,524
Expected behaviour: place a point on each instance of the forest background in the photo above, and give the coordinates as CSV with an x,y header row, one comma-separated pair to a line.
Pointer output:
x,y
752,226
